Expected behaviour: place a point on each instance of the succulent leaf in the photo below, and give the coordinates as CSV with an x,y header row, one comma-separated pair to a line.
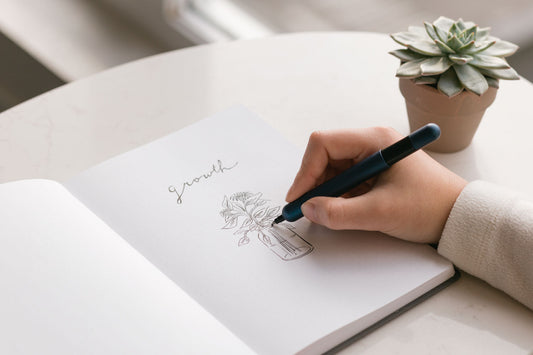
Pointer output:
x,y
488,62
482,33
460,58
478,48
501,49
406,38
507,74
468,46
418,30
455,30
454,43
471,78
410,69
470,34
443,47
443,24
425,80
430,30
460,24
443,35
495,83
406,55
449,84
425,47
435,65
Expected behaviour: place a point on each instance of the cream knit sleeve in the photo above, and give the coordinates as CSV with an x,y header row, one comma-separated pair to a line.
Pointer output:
x,y
489,234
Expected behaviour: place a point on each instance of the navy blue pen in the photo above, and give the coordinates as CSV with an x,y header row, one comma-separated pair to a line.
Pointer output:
x,y
362,171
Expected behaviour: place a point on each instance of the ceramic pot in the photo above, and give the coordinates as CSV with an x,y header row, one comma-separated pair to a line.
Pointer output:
x,y
458,117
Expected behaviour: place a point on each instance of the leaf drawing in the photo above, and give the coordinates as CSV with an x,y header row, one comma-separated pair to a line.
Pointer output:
x,y
230,223
244,240
266,239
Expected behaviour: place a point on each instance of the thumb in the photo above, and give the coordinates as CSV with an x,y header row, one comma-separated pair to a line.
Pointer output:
x,y
342,213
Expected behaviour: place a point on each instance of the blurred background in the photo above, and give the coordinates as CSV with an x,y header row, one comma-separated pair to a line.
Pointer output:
x,y
44,44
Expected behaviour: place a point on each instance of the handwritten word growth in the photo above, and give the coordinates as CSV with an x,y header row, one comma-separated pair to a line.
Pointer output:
x,y
215,169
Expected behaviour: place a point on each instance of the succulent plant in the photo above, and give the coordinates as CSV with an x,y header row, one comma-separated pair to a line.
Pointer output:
x,y
453,56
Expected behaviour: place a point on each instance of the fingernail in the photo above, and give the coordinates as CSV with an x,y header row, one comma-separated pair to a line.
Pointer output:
x,y
309,210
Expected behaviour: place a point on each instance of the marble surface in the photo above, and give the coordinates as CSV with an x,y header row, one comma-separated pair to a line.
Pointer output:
x,y
298,83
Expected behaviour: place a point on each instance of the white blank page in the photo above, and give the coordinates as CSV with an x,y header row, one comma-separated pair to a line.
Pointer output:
x,y
70,285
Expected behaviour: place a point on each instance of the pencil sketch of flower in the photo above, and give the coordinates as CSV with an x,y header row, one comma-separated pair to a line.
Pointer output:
x,y
250,210
250,214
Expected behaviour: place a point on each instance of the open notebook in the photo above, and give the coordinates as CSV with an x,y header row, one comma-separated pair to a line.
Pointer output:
x,y
168,249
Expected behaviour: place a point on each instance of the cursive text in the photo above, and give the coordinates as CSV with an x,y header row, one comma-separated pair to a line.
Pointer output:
x,y
216,168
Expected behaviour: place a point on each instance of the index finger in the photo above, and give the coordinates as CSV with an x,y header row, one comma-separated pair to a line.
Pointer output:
x,y
326,146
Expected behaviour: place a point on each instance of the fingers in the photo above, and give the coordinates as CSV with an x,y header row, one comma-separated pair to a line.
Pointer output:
x,y
411,201
336,149
360,212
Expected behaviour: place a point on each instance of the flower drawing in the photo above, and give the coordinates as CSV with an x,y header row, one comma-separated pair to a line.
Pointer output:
x,y
249,214
250,211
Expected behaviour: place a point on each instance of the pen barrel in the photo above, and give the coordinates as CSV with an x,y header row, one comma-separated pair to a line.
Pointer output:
x,y
338,185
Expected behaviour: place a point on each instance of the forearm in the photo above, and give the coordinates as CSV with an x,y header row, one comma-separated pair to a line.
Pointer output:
x,y
489,234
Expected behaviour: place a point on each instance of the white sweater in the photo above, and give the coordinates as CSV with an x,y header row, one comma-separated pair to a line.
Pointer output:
x,y
489,234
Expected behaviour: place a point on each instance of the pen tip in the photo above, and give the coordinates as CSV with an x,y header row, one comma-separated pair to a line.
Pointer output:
x,y
277,220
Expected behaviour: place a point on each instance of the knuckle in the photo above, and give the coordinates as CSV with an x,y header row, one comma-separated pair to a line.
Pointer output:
x,y
388,134
316,137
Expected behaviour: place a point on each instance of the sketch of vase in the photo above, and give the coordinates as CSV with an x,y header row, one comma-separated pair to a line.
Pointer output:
x,y
255,219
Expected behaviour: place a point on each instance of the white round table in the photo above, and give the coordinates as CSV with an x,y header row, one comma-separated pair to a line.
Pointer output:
x,y
298,83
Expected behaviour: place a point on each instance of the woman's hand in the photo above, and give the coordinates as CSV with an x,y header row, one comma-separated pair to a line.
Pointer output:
x,y
411,200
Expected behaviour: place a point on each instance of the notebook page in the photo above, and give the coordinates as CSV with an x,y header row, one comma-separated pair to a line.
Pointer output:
x,y
198,205
70,285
